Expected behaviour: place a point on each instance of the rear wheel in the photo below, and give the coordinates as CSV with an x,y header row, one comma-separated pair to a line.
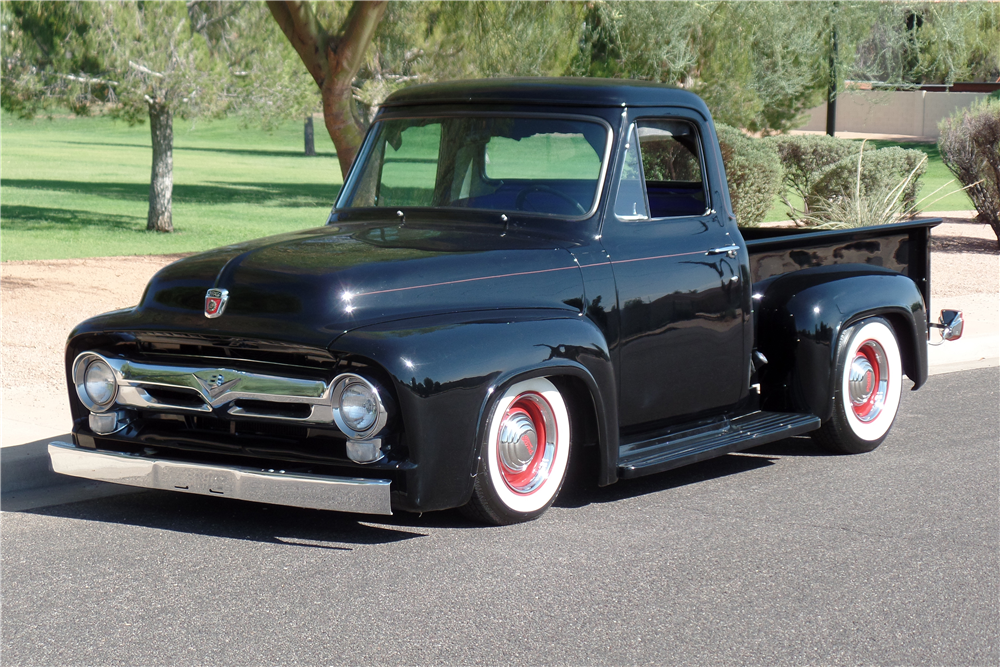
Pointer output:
x,y
869,376
523,460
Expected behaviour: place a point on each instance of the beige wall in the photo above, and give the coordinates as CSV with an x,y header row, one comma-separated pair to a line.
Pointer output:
x,y
914,112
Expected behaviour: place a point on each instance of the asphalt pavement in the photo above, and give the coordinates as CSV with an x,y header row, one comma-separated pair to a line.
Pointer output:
x,y
778,556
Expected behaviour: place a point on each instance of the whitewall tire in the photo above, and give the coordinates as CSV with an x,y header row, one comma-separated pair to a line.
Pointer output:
x,y
524,456
869,378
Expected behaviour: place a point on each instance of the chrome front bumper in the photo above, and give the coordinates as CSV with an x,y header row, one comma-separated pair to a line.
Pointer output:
x,y
341,494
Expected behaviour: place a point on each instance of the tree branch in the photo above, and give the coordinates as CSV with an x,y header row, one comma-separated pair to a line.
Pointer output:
x,y
85,79
144,70
202,22
345,54
333,62
347,48
303,30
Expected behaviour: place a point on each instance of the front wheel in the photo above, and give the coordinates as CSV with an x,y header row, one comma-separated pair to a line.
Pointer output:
x,y
523,460
869,377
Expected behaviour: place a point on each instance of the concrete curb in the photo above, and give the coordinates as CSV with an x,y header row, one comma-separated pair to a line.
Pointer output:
x,y
26,466
956,366
28,482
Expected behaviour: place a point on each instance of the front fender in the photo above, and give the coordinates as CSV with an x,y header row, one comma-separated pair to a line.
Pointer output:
x,y
444,370
800,316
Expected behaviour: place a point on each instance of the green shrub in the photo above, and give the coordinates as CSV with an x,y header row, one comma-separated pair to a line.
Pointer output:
x,y
881,203
754,172
881,171
805,157
970,147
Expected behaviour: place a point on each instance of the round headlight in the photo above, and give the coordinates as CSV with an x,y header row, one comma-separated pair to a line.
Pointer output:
x,y
95,382
99,382
358,408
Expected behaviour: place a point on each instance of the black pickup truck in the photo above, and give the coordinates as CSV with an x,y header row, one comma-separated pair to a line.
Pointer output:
x,y
515,272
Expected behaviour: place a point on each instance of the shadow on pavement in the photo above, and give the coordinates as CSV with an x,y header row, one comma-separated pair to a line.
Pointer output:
x,y
275,524
800,445
233,519
580,494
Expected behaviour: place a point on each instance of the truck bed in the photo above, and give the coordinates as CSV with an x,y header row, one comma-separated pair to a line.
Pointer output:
x,y
901,246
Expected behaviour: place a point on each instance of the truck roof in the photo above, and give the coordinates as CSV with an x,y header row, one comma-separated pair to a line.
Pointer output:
x,y
555,91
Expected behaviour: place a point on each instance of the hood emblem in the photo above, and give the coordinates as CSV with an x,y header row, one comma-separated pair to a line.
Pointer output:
x,y
215,302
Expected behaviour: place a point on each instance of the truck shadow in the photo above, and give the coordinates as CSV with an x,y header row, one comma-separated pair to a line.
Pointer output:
x,y
292,526
234,519
799,445
579,493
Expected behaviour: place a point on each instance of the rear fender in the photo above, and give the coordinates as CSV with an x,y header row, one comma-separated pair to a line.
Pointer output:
x,y
800,316
447,370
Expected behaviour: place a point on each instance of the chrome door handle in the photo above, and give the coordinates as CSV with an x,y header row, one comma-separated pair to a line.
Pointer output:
x,y
728,250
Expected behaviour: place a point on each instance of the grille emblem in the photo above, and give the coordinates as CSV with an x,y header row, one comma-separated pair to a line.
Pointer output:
x,y
216,385
215,302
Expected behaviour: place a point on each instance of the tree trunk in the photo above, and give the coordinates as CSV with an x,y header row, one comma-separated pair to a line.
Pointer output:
x,y
831,95
333,61
161,182
309,136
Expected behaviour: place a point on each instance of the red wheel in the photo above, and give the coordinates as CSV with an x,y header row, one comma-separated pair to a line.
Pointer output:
x,y
869,382
525,455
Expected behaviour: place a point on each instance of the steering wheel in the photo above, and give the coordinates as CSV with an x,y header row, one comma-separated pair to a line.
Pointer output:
x,y
525,193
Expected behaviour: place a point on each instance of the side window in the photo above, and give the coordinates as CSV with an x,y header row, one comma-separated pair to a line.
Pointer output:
x,y
631,201
661,175
671,165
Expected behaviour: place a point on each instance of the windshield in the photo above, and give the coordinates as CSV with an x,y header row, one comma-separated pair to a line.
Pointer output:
x,y
546,166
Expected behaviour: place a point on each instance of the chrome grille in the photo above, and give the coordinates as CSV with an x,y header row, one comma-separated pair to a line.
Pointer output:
x,y
202,390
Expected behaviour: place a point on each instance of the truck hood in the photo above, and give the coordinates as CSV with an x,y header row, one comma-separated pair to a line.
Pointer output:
x,y
311,286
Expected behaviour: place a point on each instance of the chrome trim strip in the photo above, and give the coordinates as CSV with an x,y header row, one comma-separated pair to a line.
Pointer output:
x,y
341,494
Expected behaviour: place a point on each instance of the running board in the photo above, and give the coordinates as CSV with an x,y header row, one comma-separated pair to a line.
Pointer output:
x,y
730,435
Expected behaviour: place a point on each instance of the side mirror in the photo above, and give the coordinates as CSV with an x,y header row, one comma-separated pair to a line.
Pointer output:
x,y
951,324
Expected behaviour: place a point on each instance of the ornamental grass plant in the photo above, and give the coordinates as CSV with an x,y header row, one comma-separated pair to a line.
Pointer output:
x,y
873,174
821,171
879,202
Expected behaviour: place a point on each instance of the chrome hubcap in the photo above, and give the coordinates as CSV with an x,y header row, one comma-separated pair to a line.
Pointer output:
x,y
518,442
868,381
862,381
526,443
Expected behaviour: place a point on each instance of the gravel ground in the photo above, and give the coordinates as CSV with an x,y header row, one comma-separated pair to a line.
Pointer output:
x,y
43,300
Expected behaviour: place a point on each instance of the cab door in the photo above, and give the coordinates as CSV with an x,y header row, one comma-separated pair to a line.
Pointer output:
x,y
678,277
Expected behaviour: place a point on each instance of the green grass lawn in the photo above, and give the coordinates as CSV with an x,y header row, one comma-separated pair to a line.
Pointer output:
x,y
934,177
79,187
